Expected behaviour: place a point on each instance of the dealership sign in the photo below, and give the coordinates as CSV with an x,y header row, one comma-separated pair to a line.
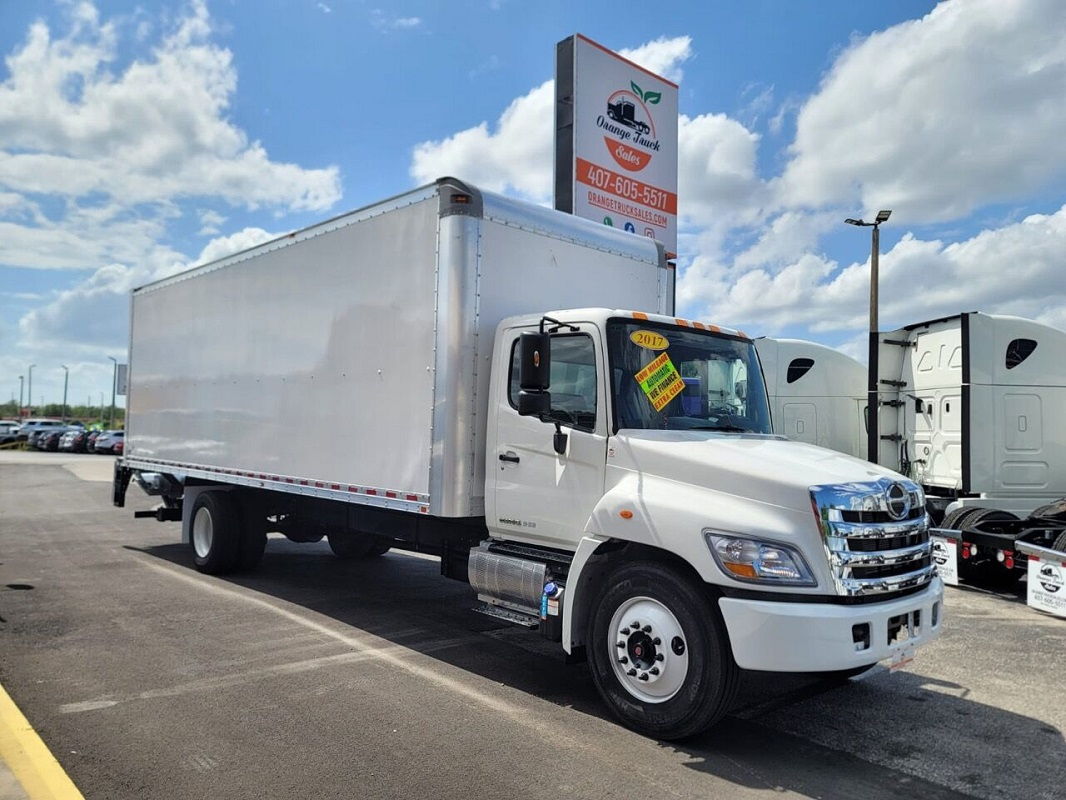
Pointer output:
x,y
615,141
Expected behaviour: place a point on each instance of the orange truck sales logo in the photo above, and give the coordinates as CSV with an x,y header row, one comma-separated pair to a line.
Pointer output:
x,y
632,142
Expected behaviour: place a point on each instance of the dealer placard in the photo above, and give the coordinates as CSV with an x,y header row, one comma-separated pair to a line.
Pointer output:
x,y
1046,589
946,558
615,141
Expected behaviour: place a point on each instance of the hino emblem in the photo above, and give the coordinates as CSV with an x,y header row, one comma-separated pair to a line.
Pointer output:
x,y
898,501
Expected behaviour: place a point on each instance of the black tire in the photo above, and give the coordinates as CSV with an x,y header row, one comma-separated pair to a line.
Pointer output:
x,y
1051,511
348,545
957,518
711,678
1060,543
215,549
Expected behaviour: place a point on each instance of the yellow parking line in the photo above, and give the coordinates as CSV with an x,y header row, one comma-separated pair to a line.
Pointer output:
x,y
31,762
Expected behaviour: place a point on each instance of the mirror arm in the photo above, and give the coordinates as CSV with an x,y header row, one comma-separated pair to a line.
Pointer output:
x,y
558,325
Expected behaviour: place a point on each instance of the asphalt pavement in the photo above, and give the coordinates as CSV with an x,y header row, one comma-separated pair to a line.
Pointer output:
x,y
314,677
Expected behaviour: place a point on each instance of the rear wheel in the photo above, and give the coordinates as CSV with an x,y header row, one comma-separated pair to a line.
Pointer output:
x,y
216,532
659,652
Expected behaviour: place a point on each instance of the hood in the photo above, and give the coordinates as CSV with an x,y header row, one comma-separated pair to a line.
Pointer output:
x,y
767,469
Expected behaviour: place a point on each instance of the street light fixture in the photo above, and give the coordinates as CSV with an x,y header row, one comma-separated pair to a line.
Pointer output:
x,y
66,378
114,384
29,393
872,392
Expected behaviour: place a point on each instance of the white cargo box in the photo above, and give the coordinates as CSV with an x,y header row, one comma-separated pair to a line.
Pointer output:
x,y
350,360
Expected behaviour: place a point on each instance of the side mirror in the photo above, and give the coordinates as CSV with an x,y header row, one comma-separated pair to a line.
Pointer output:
x,y
534,361
534,404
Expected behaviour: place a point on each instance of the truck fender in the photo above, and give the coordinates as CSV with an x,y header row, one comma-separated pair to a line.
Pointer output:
x,y
578,581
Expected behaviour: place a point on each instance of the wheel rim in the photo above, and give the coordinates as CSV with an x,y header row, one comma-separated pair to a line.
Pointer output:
x,y
203,532
648,649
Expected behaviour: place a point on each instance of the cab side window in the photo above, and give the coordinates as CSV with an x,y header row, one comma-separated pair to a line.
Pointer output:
x,y
573,380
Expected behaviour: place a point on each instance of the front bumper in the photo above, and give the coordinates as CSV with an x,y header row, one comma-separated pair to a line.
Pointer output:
x,y
818,637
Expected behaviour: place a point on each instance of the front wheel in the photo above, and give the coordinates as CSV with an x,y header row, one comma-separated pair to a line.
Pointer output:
x,y
659,651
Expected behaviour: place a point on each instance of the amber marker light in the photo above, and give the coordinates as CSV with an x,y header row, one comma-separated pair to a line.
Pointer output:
x,y
625,513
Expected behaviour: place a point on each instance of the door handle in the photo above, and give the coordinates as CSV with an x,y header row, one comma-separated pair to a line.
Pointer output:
x,y
509,456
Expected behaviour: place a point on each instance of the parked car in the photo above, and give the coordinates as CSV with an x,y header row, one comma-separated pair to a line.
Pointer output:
x,y
9,431
120,446
105,442
48,439
90,441
73,441
36,424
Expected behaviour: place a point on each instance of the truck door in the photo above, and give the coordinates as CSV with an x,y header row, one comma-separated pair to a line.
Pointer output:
x,y
539,495
932,419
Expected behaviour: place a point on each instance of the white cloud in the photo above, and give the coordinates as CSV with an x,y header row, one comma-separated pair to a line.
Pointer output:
x,y
209,221
385,22
324,8
937,116
663,56
717,184
1015,269
234,243
517,156
157,130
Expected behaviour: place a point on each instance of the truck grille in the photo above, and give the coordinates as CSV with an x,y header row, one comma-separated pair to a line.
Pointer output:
x,y
876,536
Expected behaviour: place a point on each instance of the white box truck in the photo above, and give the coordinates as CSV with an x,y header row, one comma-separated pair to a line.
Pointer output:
x,y
507,387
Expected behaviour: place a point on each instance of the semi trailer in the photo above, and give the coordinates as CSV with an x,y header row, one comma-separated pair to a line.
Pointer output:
x,y
508,388
970,408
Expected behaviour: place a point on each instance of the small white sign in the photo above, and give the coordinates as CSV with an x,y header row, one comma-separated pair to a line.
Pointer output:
x,y
946,558
1047,586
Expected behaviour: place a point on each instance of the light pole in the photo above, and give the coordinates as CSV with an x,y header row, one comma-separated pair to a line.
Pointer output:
x,y
873,403
29,393
66,378
114,382
22,380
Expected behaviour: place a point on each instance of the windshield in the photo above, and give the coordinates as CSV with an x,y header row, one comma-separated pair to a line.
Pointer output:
x,y
672,378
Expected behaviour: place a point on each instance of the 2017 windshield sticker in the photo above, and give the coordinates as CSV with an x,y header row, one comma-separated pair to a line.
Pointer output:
x,y
650,340
660,381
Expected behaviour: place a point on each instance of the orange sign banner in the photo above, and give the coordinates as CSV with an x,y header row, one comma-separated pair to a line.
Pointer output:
x,y
623,186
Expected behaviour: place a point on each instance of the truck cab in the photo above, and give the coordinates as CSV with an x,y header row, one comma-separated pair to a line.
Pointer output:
x,y
643,445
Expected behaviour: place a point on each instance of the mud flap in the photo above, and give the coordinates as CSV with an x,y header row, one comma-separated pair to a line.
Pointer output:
x,y
120,483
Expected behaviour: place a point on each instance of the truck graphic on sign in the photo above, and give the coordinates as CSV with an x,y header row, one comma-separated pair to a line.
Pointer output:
x,y
623,111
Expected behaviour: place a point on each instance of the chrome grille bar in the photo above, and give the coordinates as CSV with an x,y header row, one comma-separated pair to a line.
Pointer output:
x,y
891,506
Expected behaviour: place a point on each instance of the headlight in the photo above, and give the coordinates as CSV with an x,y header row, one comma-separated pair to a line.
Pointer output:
x,y
757,561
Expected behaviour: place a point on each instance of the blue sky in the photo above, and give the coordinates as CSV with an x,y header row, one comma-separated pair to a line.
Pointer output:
x,y
137,138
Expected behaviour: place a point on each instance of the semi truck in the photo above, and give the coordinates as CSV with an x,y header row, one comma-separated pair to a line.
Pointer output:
x,y
970,408
507,387
816,393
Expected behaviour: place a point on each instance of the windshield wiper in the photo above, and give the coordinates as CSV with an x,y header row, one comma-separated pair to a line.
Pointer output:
x,y
728,428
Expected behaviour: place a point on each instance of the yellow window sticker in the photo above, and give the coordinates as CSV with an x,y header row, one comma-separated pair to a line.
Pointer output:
x,y
660,381
649,340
